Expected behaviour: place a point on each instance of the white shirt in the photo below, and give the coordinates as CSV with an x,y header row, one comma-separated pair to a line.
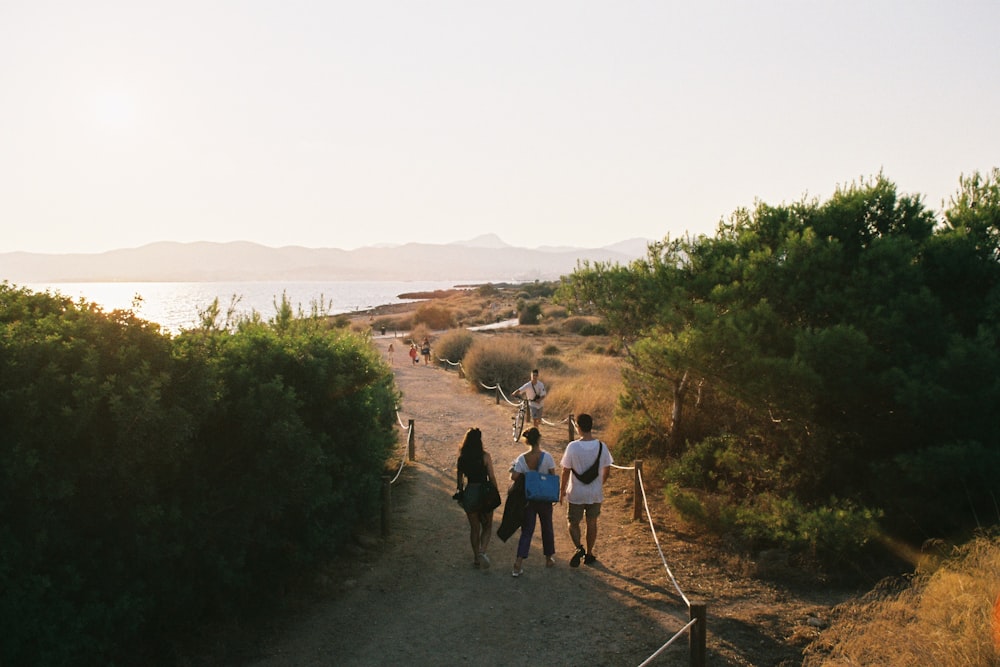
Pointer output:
x,y
580,455
520,464
532,391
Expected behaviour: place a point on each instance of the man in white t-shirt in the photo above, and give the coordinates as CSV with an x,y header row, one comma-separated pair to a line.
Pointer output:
x,y
589,458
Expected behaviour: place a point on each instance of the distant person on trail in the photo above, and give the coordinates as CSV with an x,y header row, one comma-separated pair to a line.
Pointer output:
x,y
391,352
425,350
534,391
477,492
534,459
413,353
585,466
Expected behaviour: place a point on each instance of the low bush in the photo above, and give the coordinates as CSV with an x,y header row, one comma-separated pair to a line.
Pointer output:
x,y
434,316
552,364
593,329
453,345
573,325
554,312
504,361
529,313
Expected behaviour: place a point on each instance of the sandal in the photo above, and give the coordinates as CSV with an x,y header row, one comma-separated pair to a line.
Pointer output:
x,y
550,561
484,561
517,572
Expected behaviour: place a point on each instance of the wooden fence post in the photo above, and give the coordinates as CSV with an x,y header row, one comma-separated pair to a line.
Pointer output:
x,y
698,635
637,491
411,442
386,504
570,422
498,394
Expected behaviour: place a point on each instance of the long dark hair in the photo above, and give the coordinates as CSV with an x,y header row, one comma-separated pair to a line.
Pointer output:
x,y
470,452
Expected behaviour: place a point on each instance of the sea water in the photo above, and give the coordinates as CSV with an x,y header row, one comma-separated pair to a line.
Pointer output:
x,y
176,306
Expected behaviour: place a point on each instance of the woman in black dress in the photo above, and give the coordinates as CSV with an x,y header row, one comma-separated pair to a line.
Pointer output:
x,y
475,475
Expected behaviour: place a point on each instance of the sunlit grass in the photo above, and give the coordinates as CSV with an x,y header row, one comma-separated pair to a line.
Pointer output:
x,y
943,617
583,382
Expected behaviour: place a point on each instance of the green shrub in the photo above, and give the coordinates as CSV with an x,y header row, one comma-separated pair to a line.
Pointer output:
x,y
152,484
529,313
593,329
963,476
551,349
506,362
833,535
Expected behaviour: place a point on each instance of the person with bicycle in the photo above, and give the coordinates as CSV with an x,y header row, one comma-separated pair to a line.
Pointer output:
x,y
533,391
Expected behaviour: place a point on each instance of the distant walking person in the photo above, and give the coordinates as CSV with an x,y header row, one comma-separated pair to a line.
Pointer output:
x,y
413,353
391,353
586,464
534,459
425,350
534,391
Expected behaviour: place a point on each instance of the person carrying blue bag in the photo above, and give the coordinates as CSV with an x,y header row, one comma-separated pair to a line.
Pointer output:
x,y
539,465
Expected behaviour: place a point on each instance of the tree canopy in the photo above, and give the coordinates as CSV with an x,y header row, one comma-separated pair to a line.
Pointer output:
x,y
832,355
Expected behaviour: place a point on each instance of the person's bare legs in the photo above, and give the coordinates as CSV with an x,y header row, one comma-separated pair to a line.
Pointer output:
x,y
574,534
486,528
474,535
591,533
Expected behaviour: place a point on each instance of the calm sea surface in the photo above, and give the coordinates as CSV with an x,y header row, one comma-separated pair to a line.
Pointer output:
x,y
175,306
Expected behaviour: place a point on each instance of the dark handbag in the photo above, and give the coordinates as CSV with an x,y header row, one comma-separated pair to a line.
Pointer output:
x,y
480,497
492,497
541,486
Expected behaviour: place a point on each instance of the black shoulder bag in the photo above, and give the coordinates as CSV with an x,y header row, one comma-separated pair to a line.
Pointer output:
x,y
591,473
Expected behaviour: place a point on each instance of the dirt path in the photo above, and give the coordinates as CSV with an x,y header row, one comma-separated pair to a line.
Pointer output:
x,y
414,598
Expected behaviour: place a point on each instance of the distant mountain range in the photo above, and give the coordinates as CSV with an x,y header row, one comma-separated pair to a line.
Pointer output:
x,y
484,258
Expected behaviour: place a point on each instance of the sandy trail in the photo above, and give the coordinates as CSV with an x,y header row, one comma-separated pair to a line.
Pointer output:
x,y
414,598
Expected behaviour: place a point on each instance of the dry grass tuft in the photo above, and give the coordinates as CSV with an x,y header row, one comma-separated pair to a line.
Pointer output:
x,y
584,382
945,617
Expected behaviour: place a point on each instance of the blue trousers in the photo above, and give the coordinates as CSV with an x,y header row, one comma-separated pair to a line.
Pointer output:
x,y
543,512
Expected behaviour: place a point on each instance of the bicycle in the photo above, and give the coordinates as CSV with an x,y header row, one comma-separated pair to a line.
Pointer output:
x,y
518,419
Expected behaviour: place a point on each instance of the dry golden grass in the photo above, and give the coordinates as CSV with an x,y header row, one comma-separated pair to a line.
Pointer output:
x,y
585,383
944,617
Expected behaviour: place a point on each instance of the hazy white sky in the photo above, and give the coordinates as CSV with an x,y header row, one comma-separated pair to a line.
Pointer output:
x,y
343,124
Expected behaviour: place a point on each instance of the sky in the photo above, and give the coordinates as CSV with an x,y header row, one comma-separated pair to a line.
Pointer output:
x,y
548,123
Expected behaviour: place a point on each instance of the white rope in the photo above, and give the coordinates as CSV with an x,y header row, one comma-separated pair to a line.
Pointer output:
x,y
402,464
652,528
400,420
451,363
671,641
548,423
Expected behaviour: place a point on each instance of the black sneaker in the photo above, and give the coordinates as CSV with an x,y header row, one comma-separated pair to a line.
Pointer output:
x,y
575,560
589,559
